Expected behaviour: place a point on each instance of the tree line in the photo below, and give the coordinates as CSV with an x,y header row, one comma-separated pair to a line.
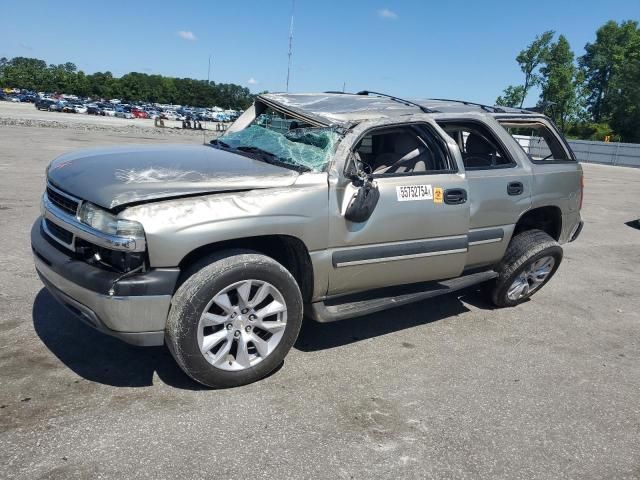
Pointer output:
x,y
591,96
35,75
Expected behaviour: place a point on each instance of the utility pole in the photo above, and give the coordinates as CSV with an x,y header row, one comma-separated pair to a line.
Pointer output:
x,y
204,138
293,6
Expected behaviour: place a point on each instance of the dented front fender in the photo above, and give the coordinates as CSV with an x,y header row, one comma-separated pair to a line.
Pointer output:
x,y
174,228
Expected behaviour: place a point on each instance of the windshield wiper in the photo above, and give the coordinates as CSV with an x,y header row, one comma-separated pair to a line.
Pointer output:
x,y
217,141
272,158
243,148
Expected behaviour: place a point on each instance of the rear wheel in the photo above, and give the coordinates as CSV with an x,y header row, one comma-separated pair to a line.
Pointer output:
x,y
233,321
532,258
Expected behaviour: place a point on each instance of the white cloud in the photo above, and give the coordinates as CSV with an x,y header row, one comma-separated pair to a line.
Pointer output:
x,y
252,81
187,35
386,13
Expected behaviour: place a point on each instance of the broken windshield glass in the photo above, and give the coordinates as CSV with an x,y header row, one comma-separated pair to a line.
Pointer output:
x,y
280,140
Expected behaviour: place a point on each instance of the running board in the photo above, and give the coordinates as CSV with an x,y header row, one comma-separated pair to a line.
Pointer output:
x,y
365,303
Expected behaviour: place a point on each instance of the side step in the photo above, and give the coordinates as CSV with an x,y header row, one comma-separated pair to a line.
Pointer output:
x,y
365,303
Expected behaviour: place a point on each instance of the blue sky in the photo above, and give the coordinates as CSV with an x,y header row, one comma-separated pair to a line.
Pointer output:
x,y
446,49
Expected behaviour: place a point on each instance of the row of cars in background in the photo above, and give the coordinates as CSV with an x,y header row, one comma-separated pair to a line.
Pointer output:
x,y
118,108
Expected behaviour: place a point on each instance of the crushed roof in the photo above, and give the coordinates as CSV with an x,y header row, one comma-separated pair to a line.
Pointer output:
x,y
344,107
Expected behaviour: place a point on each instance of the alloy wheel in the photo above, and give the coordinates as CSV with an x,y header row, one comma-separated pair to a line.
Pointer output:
x,y
531,278
242,325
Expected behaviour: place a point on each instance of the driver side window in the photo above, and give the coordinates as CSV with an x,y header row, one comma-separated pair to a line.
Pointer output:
x,y
402,150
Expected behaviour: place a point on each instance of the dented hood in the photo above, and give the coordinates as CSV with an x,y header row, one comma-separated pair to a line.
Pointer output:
x,y
115,176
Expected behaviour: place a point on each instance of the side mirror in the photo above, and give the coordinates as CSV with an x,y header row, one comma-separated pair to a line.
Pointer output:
x,y
363,202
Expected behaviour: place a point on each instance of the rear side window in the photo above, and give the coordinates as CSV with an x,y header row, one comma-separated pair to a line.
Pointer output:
x,y
537,141
479,147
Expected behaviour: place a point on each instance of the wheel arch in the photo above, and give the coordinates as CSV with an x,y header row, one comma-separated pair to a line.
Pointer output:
x,y
547,218
289,251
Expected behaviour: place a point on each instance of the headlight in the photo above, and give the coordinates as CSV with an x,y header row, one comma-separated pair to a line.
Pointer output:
x,y
108,223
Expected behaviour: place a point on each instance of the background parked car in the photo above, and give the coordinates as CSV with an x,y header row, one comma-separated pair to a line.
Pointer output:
x,y
122,112
80,108
43,103
94,110
109,111
57,106
171,115
137,113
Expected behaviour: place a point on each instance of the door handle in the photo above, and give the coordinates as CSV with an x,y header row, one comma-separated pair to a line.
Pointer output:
x,y
455,196
515,188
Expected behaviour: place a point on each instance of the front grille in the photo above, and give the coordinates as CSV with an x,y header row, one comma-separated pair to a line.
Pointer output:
x,y
60,233
63,202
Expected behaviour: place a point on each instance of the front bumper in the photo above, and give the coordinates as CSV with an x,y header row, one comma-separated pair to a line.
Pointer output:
x,y
136,313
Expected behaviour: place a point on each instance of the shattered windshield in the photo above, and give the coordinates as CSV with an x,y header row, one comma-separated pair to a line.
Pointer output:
x,y
284,141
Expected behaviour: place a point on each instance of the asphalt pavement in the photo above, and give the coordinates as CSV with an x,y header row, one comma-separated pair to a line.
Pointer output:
x,y
446,388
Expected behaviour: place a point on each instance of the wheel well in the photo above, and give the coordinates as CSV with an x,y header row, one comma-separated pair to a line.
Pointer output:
x,y
289,251
547,219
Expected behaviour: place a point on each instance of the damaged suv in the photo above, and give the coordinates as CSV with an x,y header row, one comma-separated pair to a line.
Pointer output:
x,y
330,205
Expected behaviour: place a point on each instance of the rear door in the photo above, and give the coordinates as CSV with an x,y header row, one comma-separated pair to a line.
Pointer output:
x,y
499,181
418,229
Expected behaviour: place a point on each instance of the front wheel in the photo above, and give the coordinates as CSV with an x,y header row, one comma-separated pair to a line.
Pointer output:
x,y
233,321
531,259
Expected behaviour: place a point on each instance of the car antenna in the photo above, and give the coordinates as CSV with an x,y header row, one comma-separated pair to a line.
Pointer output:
x,y
399,100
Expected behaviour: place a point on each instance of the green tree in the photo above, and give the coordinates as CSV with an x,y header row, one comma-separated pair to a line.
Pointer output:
x,y
530,60
603,62
22,72
558,81
625,94
512,96
102,85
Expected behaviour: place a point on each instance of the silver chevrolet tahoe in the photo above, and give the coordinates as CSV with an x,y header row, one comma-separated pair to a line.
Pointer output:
x,y
327,205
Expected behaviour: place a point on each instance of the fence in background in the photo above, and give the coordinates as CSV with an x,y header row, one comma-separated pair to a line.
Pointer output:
x,y
625,154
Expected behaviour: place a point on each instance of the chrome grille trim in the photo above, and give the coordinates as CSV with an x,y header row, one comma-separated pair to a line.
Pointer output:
x,y
63,219
63,201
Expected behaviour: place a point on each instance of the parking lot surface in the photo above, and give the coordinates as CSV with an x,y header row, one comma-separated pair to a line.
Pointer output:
x,y
446,388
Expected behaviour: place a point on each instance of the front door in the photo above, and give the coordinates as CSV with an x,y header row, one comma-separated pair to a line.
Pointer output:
x,y
418,230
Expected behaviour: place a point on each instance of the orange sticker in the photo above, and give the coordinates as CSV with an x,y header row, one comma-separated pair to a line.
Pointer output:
x,y
438,195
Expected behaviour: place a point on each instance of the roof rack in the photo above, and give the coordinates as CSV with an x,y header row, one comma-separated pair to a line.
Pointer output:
x,y
399,100
486,108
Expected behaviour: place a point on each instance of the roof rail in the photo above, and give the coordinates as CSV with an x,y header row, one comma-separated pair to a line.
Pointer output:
x,y
486,108
399,100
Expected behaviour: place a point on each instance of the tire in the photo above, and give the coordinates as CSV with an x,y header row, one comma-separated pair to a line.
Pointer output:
x,y
203,291
526,262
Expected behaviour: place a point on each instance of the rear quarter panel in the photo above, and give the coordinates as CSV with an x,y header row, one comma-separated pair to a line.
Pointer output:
x,y
559,184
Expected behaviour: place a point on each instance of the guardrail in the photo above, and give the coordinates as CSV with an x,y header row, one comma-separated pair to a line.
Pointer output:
x,y
606,153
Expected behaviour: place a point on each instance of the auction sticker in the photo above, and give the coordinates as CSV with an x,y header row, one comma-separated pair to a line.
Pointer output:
x,y
438,195
414,192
